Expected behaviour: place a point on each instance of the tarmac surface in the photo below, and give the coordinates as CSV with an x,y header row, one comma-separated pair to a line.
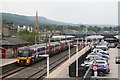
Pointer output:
x,y
113,75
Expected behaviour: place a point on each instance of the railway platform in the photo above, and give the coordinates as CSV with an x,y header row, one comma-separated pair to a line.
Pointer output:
x,y
4,62
62,70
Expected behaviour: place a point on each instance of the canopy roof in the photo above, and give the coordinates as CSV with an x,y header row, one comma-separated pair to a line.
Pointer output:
x,y
12,41
95,37
62,36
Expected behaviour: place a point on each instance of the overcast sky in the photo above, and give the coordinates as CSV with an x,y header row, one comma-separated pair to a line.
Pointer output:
x,y
72,11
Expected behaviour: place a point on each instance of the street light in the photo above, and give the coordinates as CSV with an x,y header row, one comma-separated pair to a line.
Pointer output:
x,y
39,38
69,58
76,59
35,39
47,56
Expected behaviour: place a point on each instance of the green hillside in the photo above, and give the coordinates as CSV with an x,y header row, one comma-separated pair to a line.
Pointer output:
x,y
29,20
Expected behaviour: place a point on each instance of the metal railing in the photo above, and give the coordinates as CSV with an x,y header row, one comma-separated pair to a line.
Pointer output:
x,y
87,75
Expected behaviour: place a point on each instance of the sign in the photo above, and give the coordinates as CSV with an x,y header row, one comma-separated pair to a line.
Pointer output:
x,y
95,65
95,68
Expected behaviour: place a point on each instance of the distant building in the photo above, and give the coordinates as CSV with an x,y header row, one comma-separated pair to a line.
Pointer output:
x,y
8,29
23,27
9,42
10,46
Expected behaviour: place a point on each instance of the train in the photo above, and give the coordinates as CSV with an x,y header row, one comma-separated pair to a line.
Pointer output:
x,y
27,55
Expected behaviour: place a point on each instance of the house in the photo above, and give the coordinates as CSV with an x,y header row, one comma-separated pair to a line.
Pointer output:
x,y
8,29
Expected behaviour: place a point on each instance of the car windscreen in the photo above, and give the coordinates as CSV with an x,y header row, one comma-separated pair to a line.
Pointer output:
x,y
101,62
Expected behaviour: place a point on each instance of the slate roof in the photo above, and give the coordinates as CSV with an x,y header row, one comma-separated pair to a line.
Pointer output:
x,y
92,32
12,41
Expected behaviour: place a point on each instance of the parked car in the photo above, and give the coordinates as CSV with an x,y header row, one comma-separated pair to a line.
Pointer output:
x,y
99,50
98,53
104,53
103,47
113,45
102,69
100,62
118,46
97,57
117,59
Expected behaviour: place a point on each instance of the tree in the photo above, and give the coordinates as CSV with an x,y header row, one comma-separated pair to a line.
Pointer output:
x,y
27,36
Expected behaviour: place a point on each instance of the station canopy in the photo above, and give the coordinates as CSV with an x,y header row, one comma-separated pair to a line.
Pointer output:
x,y
118,37
62,36
95,37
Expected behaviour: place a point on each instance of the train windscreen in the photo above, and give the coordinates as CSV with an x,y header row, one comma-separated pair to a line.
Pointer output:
x,y
23,53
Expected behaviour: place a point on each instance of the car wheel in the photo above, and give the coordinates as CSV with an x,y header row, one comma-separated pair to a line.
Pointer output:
x,y
108,70
101,73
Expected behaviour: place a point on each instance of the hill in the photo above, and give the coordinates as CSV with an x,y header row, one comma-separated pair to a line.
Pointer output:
x,y
29,20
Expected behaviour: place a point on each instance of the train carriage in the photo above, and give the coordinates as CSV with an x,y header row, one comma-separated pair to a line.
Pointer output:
x,y
29,54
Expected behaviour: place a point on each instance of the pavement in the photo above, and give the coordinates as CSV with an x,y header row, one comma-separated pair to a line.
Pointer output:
x,y
62,70
4,62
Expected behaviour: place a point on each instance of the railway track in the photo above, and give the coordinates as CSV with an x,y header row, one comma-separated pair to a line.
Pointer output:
x,y
37,70
8,73
42,73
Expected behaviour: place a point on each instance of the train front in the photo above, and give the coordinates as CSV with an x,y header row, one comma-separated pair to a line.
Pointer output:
x,y
24,56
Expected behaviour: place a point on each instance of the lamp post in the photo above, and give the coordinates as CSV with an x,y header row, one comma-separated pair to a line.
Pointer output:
x,y
69,51
69,58
77,59
39,38
47,56
35,39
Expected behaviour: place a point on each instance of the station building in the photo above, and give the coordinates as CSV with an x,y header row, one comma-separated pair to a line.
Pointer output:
x,y
8,41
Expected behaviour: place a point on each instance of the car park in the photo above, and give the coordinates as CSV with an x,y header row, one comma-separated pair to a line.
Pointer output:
x,y
100,54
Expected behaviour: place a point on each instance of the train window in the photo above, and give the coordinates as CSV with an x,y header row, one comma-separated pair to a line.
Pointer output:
x,y
23,53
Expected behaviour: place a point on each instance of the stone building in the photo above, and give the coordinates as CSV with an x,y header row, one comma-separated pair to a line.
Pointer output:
x,y
8,29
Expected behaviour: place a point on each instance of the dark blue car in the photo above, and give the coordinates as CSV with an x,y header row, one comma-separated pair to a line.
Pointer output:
x,y
102,69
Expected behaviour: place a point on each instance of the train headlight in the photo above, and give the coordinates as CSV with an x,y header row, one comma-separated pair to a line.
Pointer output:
x,y
28,59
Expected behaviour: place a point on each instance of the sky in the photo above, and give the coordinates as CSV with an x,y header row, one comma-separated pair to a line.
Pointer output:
x,y
70,11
